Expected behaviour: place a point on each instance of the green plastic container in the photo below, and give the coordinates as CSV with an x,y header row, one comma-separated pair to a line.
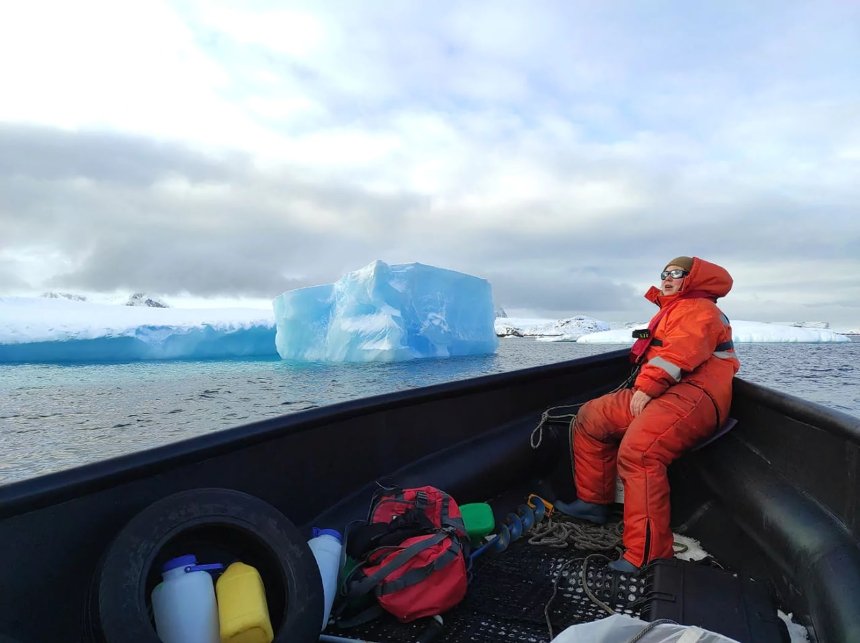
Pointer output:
x,y
479,520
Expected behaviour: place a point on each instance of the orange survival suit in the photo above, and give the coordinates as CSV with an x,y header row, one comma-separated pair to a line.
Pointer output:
x,y
687,368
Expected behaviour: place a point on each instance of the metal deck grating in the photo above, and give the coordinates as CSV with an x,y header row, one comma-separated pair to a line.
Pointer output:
x,y
508,593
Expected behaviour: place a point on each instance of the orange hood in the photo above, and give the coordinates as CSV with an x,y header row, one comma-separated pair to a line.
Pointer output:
x,y
704,277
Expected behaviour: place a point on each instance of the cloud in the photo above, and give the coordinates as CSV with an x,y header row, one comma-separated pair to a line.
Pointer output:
x,y
127,213
169,219
44,153
563,150
8,275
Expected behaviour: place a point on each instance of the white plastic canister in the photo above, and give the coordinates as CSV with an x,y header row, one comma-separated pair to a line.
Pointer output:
x,y
184,603
326,546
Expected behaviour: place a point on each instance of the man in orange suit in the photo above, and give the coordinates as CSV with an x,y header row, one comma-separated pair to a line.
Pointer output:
x,y
681,395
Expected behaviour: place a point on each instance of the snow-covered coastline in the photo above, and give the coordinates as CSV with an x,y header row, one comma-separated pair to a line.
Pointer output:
x,y
591,331
26,319
56,330
568,329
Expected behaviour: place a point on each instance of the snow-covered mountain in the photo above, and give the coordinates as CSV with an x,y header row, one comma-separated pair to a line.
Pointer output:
x,y
63,295
142,299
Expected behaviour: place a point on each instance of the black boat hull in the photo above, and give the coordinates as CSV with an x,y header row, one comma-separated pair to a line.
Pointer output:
x,y
778,495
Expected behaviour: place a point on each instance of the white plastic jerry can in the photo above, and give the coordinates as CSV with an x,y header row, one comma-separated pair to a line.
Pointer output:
x,y
184,603
326,546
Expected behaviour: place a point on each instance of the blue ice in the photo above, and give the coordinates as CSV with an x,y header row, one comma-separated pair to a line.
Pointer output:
x,y
149,343
387,313
54,330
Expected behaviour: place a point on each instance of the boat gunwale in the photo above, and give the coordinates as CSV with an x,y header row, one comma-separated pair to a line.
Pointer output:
x,y
833,421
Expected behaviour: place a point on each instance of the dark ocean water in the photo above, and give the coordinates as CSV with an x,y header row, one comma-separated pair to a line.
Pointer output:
x,y
53,417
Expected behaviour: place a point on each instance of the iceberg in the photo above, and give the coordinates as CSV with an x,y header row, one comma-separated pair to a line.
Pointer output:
x,y
57,330
387,313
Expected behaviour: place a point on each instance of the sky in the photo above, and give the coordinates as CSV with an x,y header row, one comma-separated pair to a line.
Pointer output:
x,y
565,151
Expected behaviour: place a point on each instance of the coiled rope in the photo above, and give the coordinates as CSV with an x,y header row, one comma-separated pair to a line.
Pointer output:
x,y
579,535
561,534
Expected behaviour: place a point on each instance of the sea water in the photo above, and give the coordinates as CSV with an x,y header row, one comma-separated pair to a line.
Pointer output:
x,y
54,417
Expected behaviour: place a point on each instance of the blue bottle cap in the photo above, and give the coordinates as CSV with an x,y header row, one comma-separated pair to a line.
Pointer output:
x,y
180,561
327,532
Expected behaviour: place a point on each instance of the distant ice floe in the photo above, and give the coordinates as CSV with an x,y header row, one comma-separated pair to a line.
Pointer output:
x,y
742,332
587,330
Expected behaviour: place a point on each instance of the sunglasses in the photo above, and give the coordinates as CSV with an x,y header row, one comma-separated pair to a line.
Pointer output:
x,y
677,273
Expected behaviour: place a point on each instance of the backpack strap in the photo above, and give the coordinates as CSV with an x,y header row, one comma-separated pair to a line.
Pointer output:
x,y
414,576
369,583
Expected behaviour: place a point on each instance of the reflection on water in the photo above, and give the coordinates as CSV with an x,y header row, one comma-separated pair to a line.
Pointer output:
x,y
55,417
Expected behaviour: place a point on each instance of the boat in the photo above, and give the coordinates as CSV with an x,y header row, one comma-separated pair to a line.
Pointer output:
x,y
777,500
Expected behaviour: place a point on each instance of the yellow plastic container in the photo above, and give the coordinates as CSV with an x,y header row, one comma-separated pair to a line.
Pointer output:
x,y
242,610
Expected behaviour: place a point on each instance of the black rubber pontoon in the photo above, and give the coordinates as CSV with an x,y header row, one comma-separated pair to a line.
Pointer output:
x,y
777,498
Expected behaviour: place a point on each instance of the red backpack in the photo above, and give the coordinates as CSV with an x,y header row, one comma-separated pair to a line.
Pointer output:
x,y
411,554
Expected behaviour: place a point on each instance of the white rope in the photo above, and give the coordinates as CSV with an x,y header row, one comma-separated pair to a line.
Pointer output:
x,y
583,582
583,579
546,416
539,430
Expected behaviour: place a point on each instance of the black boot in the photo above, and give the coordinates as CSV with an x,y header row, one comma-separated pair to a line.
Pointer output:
x,y
624,566
590,511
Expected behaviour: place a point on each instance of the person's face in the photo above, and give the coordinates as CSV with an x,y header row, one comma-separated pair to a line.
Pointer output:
x,y
671,285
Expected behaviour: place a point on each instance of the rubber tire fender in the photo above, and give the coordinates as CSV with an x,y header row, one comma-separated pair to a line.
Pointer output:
x,y
121,594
